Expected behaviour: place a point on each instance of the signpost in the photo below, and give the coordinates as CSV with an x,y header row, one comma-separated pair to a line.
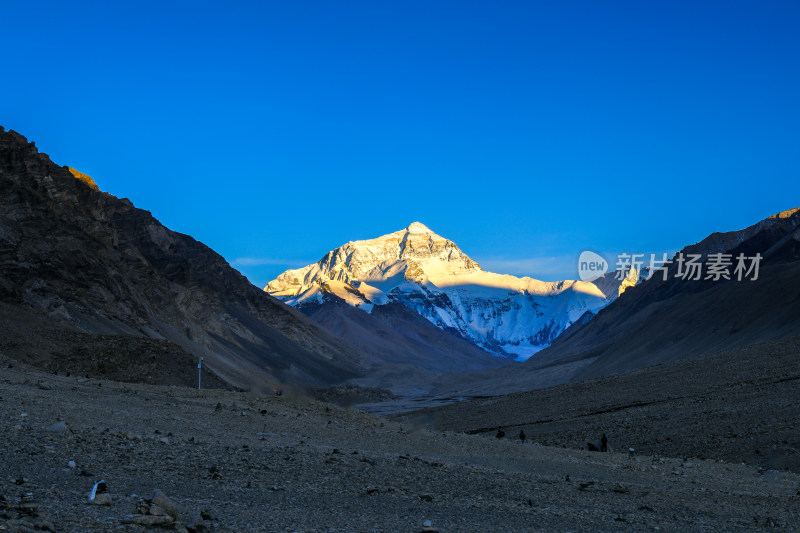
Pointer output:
x,y
199,371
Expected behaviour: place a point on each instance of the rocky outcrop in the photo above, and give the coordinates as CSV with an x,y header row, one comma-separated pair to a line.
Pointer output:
x,y
84,178
630,280
94,262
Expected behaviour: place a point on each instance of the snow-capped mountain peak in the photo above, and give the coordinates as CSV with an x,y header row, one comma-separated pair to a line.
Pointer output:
x,y
418,227
434,277
414,253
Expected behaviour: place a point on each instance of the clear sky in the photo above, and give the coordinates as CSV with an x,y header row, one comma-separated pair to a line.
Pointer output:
x,y
524,131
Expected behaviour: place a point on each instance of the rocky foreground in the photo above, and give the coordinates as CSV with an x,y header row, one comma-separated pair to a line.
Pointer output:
x,y
232,461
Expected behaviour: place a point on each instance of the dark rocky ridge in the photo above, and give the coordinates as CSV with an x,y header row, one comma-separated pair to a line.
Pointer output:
x,y
660,321
720,242
92,262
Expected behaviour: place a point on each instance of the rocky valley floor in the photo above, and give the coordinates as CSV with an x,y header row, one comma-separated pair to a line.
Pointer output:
x,y
245,462
741,405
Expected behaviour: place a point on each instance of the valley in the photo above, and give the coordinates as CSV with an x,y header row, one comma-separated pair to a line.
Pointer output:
x,y
237,461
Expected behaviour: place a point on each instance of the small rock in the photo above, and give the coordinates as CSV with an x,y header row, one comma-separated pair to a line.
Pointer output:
x,y
155,510
58,428
142,507
27,505
163,501
427,527
103,498
72,464
165,440
621,489
198,525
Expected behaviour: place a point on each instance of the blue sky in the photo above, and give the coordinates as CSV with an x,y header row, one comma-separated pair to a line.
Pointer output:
x,y
524,131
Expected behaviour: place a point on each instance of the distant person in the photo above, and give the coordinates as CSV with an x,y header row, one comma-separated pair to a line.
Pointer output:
x,y
500,433
279,392
604,443
521,437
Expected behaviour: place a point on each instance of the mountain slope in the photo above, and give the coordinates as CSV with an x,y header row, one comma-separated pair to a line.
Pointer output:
x,y
723,241
432,276
680,319
93,262
404,350
659,321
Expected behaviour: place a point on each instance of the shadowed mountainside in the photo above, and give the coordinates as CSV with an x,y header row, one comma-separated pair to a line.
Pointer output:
x,y
64,350
405,349
94,263
659,321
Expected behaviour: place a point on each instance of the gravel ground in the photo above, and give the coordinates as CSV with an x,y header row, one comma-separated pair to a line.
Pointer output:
x,y
739,406
233,461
